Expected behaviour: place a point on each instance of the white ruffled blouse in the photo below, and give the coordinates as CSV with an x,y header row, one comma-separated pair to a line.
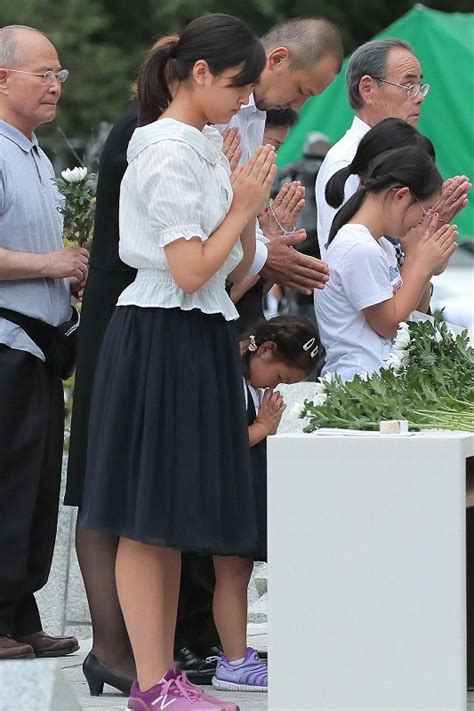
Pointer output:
x,y
177,185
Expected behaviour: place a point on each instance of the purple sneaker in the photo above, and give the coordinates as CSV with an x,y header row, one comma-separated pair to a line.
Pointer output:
x,y
171,694
219,703
249,675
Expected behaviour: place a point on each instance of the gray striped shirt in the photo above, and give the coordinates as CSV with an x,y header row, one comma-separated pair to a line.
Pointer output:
x,y
29,222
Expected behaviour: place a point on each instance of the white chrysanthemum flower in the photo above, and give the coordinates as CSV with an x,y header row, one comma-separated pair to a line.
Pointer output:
x,y
74,175
393,362
402,339
320,399
328,378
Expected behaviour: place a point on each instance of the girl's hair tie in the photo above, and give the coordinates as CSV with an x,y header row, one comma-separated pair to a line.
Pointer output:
x,y
252,345
309,345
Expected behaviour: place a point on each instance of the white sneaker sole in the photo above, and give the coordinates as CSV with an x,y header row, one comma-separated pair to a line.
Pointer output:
x,y
230,686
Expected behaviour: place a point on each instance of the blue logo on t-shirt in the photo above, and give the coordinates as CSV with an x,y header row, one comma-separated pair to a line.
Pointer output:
x,y
394,273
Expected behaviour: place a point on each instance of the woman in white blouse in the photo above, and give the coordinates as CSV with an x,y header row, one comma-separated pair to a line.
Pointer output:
x,y
168,456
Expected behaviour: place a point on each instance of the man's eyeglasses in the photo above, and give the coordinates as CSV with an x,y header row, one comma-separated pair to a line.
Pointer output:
x,y
48,77
426,213
412,90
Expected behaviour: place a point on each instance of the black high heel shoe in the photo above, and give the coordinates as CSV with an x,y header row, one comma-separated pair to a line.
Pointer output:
x,y
97,674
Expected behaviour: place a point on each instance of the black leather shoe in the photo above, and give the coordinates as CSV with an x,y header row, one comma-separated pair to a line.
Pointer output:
x,y
217,651
196,668
97,674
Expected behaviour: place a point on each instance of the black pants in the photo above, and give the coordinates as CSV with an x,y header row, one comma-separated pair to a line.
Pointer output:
x,y
31,445
250,307
195,627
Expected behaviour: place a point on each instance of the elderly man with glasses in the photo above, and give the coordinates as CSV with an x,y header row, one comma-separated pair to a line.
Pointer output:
x,y
384,80
37,277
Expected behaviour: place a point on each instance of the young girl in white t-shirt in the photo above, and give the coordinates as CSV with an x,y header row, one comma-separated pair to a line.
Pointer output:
x,y
367,295
168,466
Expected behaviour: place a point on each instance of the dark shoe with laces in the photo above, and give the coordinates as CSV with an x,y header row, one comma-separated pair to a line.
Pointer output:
x,y
197,669
46,646
12,649
97,674
217,651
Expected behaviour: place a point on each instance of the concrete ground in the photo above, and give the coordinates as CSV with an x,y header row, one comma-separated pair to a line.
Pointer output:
x,y
112,700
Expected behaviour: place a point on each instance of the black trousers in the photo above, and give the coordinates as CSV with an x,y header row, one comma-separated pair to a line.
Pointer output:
x,y
195,627
31,446
250,307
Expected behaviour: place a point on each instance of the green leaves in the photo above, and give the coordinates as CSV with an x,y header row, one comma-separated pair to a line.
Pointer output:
x,y
434,389
78,209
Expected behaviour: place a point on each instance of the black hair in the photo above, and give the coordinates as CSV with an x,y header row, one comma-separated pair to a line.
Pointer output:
x,y
387,134
281,118
296,338
409,167
221,40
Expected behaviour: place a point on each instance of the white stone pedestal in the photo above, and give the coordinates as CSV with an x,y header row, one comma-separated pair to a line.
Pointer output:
x,y
367,572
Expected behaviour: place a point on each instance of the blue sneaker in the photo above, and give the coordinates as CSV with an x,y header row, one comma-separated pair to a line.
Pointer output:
x,y
249,675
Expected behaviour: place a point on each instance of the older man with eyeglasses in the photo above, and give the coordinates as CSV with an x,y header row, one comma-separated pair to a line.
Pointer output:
x,y
384,80
37,276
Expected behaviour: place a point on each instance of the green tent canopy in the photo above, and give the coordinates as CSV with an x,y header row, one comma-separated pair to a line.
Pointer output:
x,y
444,44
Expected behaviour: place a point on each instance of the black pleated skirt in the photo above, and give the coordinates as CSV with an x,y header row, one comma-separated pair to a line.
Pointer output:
x,y
168,455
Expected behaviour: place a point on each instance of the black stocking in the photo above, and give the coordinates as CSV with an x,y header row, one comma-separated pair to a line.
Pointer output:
x,y
96,552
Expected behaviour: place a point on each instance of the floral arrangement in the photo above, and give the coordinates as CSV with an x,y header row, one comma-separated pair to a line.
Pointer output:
x,y
78,189
428,379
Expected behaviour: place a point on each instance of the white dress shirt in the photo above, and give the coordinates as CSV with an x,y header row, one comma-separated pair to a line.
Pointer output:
x,y
339,156
177,185
251,124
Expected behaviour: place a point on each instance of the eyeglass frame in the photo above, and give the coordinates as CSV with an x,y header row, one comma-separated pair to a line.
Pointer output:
x,y
423,88
426,213
48,76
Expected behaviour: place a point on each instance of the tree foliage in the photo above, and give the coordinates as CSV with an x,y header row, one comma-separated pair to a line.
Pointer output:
x,y
102,42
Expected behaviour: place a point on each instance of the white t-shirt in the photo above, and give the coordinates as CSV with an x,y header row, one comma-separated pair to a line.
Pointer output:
x,y
339,156
177,185
363,272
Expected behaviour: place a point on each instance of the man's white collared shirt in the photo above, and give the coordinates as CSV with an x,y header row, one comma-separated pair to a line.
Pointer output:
x,y
339,156
251,124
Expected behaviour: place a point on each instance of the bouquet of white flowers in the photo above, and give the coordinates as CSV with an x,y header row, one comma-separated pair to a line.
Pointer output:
x,y
428,379
78,188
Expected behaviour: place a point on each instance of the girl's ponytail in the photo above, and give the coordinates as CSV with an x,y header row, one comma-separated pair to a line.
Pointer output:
x,y
386,135
154,95
220,40
335,186
346,213
410,167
